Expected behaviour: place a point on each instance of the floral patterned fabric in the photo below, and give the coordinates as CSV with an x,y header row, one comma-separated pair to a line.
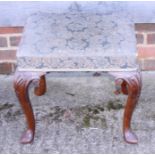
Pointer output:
x,y
78,40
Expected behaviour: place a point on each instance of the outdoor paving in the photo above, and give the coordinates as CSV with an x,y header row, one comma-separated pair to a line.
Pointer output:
x,y
77,115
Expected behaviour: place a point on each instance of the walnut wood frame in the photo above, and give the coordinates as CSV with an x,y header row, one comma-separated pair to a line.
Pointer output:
x,y
128,83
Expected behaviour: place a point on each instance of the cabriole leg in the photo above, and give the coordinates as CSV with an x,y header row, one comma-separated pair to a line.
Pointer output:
x,y
129,84
22,82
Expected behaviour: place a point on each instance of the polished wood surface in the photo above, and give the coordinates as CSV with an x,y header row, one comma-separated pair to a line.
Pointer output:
x,y
22,82
41,88
127,83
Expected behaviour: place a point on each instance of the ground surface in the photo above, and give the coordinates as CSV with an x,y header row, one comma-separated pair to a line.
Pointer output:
x,y
77,115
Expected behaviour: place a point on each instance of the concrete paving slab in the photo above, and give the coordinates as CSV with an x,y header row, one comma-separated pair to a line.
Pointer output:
x,y
77,115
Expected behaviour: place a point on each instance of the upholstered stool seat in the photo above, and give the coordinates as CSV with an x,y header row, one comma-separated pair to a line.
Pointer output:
x,y
77,41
